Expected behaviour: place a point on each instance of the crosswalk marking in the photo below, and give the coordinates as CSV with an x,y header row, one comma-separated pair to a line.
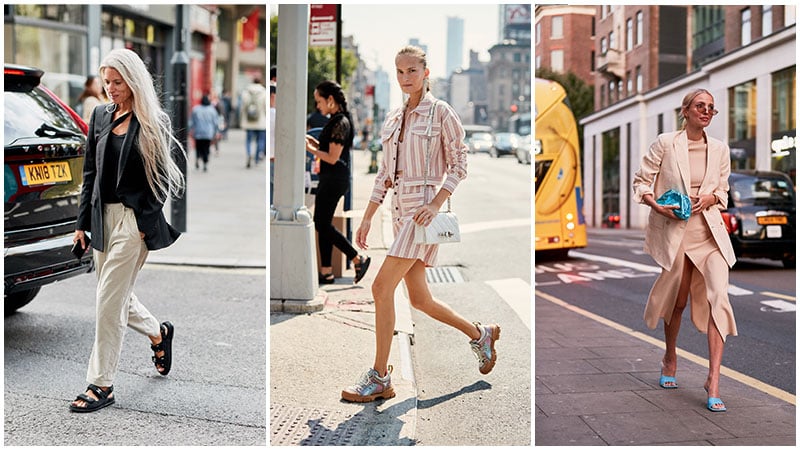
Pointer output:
x,y
732,290
780,305
517,293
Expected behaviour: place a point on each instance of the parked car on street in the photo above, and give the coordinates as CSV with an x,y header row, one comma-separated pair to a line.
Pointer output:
x,y
504,144
44,146
524,150
480,142
761,215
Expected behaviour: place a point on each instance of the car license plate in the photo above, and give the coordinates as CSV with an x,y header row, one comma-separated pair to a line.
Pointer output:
x,y
46,173
773,231
772,220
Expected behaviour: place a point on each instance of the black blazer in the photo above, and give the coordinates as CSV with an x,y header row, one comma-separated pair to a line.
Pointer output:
x,y
132,187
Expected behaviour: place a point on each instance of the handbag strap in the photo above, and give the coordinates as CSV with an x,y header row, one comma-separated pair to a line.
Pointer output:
x,y
428,132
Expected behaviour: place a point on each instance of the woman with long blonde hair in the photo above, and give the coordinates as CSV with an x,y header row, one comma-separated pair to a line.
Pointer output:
x,y
128,174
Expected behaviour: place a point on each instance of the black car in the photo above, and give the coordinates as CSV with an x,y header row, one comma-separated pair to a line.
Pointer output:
x,y
761,215
44,144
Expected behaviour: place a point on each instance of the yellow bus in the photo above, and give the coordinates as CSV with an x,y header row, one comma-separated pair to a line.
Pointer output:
x,y
560,224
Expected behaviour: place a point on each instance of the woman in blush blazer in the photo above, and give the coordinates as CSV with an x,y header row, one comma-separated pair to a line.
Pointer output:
x,y
694,254
403,170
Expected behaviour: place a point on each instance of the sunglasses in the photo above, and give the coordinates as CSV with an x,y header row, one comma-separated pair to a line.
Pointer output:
x,y
702,107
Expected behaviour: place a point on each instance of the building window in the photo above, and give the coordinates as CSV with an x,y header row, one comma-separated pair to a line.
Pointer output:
x,y
629,82
592,26
629,35
591,63
783,99
745,26
538,61
538,33
742,124
766,20
639,81
660,123
557,27
611,172
789,15
557,60
612,97
784,150
603,96
639,28
612,41
603,47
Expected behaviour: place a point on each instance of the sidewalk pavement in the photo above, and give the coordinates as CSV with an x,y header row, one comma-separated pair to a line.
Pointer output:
x,y
597,384
314,356
226,212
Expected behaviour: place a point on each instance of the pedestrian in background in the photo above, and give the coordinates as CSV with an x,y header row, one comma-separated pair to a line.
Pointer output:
x,y
402,169
254,120
227,107
91,96
203,127
128,174
333,151
694,255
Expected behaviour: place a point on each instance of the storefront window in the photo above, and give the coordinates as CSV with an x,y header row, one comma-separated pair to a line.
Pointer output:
x,y
782,146
611,144
144,37
60,54
71,14
742,125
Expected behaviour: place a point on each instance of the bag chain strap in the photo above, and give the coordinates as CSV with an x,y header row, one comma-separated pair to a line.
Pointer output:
x,y
428,132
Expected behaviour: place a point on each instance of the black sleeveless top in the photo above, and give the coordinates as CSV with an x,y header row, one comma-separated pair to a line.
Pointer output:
x,y
108,183
339,129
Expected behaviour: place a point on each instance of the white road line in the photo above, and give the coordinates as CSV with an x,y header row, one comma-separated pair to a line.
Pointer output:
x,y
780,305
517,293
732,290
495,224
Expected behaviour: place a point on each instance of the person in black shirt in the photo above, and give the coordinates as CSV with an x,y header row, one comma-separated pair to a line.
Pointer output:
x,y
333,150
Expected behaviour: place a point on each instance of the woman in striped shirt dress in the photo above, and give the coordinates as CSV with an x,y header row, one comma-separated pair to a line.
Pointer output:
x,y
403,170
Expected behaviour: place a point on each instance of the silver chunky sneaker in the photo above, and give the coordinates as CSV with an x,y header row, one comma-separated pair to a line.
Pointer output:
x,y
370,387
484,346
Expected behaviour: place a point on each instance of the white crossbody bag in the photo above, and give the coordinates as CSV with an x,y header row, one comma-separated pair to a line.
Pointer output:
x,y
443,229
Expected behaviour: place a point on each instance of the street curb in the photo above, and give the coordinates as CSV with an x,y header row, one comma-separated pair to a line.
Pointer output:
x,y
299,306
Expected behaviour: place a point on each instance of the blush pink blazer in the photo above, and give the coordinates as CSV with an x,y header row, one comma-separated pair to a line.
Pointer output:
x,y
666,166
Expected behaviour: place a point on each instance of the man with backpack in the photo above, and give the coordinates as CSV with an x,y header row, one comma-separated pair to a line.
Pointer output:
x,y
254,119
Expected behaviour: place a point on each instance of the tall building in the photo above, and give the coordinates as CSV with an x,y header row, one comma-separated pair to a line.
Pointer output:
x,y
455,45
468,93
649,57
415,42
515,23
509,75
564,40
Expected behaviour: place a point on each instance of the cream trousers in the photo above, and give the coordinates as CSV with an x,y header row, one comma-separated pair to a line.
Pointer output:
x,y
117,305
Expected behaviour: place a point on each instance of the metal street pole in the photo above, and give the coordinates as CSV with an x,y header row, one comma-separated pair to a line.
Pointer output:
x,y
294,286
180,115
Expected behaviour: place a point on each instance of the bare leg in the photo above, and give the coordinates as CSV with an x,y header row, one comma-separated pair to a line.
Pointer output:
x,y
386,281
421,299
715,347
670,362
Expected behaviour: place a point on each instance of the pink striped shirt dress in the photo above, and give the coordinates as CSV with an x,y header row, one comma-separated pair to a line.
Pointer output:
x,y
403,170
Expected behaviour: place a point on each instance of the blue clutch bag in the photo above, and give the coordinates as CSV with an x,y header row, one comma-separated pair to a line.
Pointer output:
x,y
673,197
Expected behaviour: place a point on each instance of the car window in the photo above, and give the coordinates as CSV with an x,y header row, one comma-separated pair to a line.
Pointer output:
x,y
25,112
750,191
